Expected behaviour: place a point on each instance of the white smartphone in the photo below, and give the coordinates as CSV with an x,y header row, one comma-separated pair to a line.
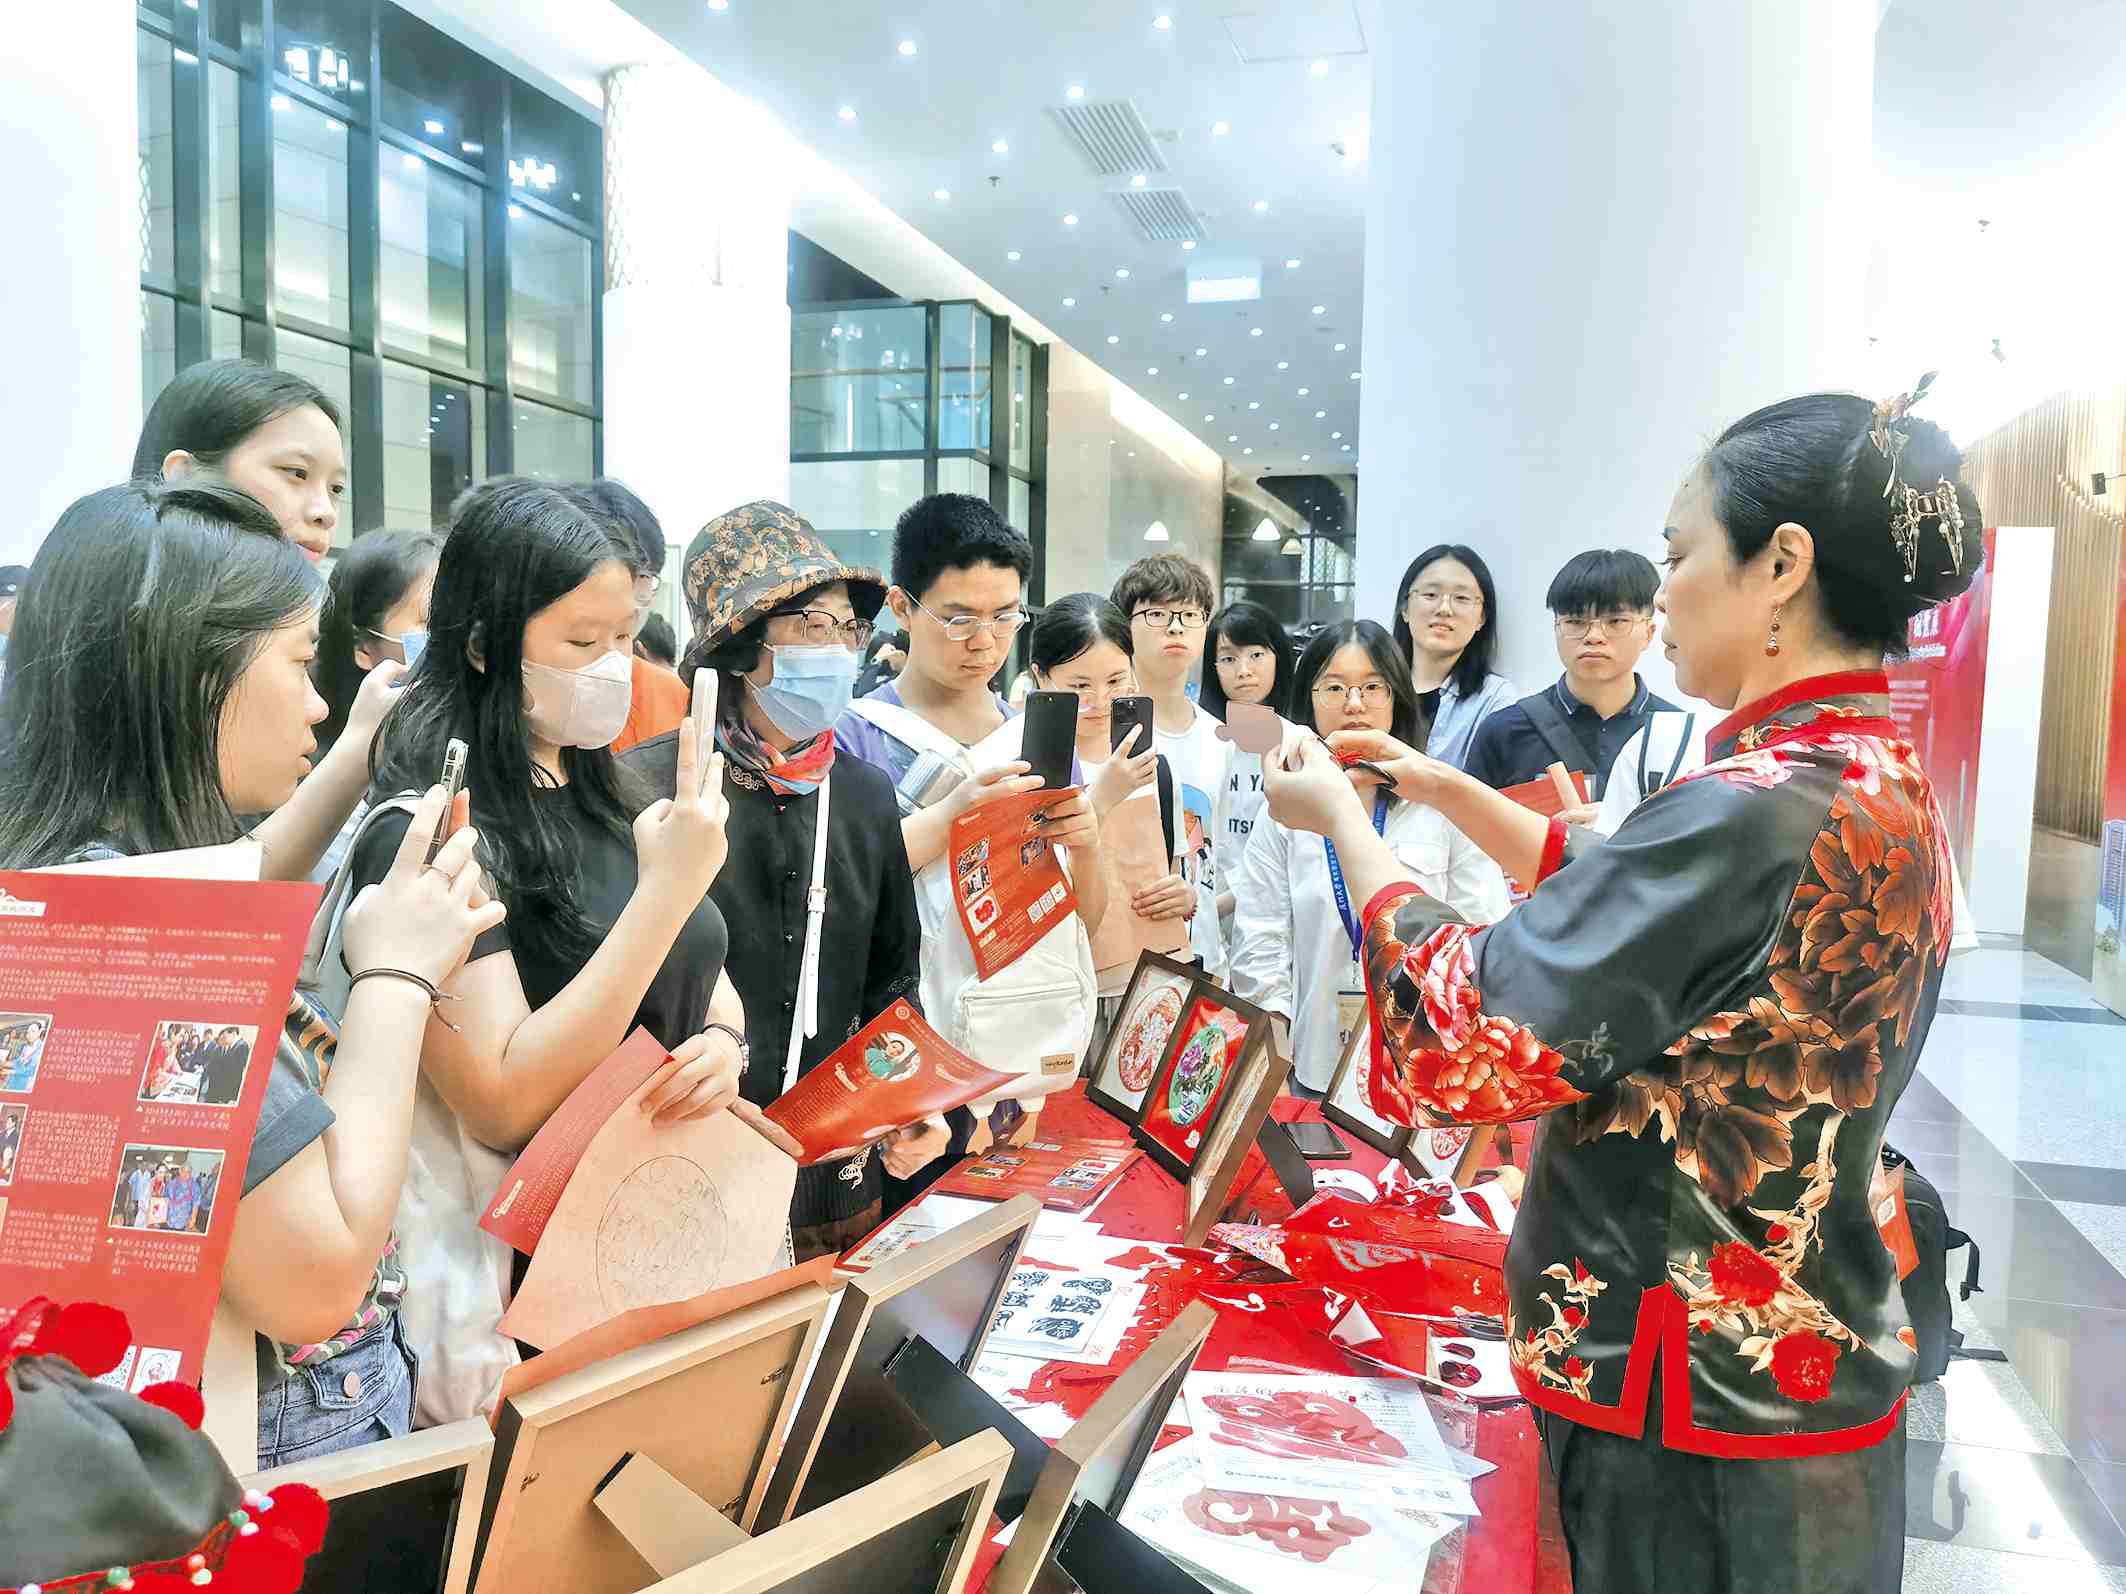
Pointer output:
x,y
705,684
454,755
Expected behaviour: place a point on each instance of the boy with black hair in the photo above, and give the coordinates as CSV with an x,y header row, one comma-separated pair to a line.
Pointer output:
x,y
661,699
1169,599
1601,605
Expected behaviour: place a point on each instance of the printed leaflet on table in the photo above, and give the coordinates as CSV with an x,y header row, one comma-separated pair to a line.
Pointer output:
x,y
1059,1314
1065,1175
138,1023
1007,883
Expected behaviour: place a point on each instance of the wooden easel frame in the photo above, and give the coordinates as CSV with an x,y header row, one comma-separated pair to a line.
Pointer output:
x,y
1246,1107
469,1445
862,1300
1388,1145
569,1437
971,1470
1118,1434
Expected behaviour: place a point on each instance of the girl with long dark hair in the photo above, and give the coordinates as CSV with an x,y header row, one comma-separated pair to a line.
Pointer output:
x,y
160,678
1716,1010
1294,948
1250,660
1447,630
531,630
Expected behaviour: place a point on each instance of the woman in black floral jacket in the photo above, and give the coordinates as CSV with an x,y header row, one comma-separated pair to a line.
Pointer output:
x,y
1713,1012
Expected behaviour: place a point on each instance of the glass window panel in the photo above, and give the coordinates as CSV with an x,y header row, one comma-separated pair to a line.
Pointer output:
x,y
235,23
858,380
551,443
225,213
555,153
435,444
429,236
158,346
227,332
327,365
325,44
1021,399
550,287
164,8
964,334
959,474
1021,514
310,216
158,213
853,503
435,89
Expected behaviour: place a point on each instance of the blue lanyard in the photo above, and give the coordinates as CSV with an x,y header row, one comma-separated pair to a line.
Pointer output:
x,y
1336,875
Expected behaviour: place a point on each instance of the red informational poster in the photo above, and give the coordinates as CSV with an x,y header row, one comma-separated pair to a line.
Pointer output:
x,y
1065,1175
893,1072
1183,1099
527,1198
1007,884
2108,972
138,1021
1938,698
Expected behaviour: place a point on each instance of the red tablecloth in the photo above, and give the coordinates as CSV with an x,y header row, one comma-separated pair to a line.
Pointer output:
x,y
1515,1546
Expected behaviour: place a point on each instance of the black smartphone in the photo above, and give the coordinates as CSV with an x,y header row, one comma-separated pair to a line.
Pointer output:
x,y
1317,1142
1051,738
1128,712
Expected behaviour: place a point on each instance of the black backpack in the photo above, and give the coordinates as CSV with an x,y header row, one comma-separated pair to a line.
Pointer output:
x,y
1926,1287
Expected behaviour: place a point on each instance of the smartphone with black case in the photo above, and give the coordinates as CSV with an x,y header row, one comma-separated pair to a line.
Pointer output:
x,y
1051,737
1317,1142
1128,712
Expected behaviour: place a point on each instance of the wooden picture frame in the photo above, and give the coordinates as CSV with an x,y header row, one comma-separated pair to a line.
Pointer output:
x,y
1155,979
1158,1125
883,1537
1099,1459
707,1404
380,1475
1343,1106
1258,1080
851,1427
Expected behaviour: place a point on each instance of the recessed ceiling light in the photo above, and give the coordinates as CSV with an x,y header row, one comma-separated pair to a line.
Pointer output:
x,y
1354,376
1262,204
1220,129
1071,220
1112,338
1321,415
1011,254
1139,180
1151,370
1210,417
1232,437
1188,243
1166,315
1304,391
1304,458
431,127
1121,273
847,113
1200,353
999,147
1341,347
1254,332
576,195
1069,303
1273,426
1292,264
907,46
1347,448
1247,451
1283,364
940,193
1254,404
1321,309
1228,381
1183,398
1162,23
1075,92
1334,435
1319,69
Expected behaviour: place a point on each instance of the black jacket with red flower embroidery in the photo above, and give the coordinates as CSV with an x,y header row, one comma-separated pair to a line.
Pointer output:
x,y
1714,1012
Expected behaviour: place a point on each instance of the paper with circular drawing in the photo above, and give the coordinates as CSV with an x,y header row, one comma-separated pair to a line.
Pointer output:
x,y
651,1216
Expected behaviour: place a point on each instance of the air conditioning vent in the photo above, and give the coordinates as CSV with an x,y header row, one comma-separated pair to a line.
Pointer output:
x,y
1160,215
1112,137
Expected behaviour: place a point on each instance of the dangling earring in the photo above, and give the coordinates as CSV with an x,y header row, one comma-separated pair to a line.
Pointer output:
x,y
1771,647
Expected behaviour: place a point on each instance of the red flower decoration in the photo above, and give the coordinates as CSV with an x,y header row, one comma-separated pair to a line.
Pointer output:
x,y
1574,1317
1776,1234
179,1400
91,1336
1742,1275
1803,1365
1575,1369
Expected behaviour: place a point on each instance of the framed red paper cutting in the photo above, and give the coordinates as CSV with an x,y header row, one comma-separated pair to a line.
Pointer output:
x,y
1205,1052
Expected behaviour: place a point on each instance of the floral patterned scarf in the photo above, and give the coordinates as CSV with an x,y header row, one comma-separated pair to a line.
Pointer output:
x,y
755,763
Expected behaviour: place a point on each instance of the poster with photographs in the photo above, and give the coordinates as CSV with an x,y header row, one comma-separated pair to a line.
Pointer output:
x,y
1136,1042
1208,1047
1345,1104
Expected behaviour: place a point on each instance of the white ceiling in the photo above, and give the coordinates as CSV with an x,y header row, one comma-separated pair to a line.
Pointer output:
x,y
985,70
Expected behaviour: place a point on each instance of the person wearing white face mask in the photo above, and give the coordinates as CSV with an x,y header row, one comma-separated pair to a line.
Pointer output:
x,y
609,926
818,872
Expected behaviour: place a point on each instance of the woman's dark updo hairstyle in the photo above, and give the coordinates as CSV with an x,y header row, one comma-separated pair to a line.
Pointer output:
x,y
1411,725
368,580
209,408
1070,625
1478,659
1809,460
1246,625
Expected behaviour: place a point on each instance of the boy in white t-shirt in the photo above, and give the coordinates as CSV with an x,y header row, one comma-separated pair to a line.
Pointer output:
x,y
1168,599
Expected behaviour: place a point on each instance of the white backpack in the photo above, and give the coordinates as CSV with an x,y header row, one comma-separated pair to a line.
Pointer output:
x,y
457,1274
1033,1019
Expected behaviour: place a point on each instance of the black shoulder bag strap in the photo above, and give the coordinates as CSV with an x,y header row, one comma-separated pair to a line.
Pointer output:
x,y
1564,741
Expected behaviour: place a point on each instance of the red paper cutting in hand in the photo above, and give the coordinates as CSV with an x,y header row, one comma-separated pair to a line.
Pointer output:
x,y
1298,1425
1313,1530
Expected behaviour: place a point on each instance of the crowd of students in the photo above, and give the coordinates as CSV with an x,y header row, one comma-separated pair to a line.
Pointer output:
x,y
176,664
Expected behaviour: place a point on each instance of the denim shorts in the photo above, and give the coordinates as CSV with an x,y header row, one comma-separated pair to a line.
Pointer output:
x,y
357,1397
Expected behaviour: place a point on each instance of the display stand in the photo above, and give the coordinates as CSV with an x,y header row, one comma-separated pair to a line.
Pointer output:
x,y
381,1496
1097,1462
915,1531
707,1405
853,1427
1343,1105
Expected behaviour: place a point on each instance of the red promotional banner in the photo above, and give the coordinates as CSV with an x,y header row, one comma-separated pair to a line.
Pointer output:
x,y
1938,698
1006,882
138,1021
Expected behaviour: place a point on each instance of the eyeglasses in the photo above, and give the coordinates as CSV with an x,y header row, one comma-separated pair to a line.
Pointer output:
x,y
1370,693
1452,602
821,626
962,627
646,588
1163,619
1606,624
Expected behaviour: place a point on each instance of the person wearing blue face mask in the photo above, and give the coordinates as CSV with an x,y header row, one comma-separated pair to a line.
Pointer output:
x,y
783,622
376,612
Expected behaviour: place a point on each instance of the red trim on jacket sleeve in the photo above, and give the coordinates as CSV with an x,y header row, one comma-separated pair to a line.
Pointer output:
x,y
1553,851
1386,900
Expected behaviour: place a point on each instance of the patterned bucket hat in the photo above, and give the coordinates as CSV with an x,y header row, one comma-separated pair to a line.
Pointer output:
x,y
751,560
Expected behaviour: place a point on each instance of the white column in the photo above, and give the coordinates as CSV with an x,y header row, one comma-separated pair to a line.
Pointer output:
x,y
70,407
1597,234
697,324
